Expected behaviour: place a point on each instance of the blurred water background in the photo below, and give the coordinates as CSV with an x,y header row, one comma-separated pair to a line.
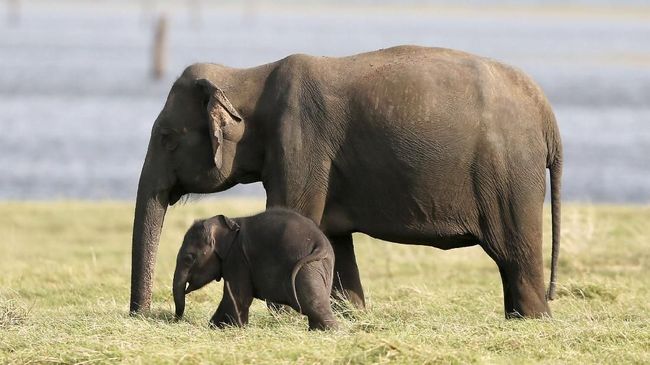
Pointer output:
x,y
77,100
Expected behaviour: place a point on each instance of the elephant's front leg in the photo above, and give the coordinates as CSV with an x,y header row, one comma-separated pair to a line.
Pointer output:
x,y
233,309
347,283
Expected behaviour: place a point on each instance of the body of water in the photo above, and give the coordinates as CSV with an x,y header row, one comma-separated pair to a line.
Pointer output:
x,y
77,101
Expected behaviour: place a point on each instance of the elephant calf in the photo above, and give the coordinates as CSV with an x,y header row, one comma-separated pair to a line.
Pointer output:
x,y
278,256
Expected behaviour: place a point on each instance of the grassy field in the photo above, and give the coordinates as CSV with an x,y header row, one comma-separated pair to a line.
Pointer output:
x,y
65,285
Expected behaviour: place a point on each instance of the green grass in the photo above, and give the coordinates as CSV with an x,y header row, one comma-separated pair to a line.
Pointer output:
x,y
64,286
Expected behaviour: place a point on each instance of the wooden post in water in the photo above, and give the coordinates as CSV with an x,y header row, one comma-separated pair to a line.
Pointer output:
x,y
159,51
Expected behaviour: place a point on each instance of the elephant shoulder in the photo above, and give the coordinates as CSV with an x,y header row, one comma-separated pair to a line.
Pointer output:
x,y
298,67
307,86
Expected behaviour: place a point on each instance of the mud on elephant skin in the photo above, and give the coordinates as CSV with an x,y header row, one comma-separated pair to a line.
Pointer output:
x,y
277,256
408,144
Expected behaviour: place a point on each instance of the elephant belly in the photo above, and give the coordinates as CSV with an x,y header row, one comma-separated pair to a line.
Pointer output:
x,y
430,218
440,234
433,238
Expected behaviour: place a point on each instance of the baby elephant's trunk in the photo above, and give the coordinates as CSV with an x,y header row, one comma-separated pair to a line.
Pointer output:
x,y
180,279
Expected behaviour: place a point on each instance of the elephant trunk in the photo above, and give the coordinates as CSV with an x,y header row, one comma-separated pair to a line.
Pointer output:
x,y
150,209
180,280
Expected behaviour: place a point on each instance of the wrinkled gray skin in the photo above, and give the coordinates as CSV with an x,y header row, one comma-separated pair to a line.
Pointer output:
x,y
414,145
278,256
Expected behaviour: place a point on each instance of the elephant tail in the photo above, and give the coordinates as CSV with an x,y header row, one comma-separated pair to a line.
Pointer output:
x,y
555,168
318,253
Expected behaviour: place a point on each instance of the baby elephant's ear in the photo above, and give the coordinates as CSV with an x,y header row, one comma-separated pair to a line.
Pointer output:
x,y
231,224
226,239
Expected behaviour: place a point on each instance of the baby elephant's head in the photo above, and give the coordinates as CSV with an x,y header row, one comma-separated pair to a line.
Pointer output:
x,y
199,260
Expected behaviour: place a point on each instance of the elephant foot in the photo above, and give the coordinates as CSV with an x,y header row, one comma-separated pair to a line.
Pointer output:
x,y
322,317
323,325
516,315
526,302
356,299
523,292
226,322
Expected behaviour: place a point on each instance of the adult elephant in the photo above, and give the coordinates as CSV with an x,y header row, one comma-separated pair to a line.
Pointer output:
x,y
414,145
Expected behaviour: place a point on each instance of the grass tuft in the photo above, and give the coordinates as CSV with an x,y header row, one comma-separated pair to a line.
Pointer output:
x,y
13,311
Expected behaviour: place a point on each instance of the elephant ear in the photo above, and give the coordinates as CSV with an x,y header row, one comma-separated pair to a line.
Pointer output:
x,y
231,224
221,113
224,232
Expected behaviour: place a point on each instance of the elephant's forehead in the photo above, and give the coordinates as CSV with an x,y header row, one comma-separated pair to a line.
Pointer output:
x,y
180,110
173,105
180,96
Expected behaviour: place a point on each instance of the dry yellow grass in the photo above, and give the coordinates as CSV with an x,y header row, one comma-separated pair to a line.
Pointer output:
x,y
65,283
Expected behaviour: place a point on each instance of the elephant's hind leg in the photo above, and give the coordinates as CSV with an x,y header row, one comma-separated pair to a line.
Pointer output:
x,y
347,283
516,247
507,299
524,295
314,297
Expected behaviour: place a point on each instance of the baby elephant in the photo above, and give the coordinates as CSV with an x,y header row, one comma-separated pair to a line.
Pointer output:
x,y
278,256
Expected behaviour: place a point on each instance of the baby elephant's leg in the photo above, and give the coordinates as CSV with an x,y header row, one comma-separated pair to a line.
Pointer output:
x,y
234,306
314,296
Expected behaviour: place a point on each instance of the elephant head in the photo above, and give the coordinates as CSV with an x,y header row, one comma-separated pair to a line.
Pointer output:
x,y
199,261
201,142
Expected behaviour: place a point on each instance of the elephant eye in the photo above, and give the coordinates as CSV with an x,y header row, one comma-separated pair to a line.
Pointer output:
x,y
188,259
